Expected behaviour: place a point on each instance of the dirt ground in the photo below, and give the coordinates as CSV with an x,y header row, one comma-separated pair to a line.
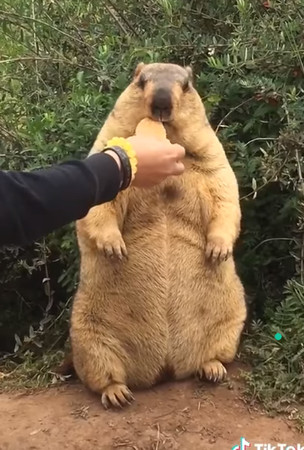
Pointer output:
x,y
176,416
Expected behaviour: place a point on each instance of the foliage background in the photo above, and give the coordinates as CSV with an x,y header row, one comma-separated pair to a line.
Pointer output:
x,y
63,64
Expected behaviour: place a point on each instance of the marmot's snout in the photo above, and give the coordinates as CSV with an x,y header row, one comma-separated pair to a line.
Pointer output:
x,y
161,104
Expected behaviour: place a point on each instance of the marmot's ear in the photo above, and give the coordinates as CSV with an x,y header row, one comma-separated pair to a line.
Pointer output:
x,y
138,69
190,73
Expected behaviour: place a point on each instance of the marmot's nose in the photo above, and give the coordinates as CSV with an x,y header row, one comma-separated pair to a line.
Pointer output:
x,y
161,105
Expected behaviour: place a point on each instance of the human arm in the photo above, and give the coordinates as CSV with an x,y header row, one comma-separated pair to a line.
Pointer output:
x,y
35,203
32,204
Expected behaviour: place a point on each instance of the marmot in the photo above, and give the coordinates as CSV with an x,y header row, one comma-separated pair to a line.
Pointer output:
x,y
158,290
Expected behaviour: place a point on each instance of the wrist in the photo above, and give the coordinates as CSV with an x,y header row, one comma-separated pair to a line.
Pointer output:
x,y
115,157
123,150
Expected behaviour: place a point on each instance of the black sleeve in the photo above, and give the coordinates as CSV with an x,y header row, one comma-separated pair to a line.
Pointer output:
x,y
32,204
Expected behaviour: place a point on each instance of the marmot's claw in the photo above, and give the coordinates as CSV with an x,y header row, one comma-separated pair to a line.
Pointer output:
x,y
218,250
117,395
213,371
113,247
118,251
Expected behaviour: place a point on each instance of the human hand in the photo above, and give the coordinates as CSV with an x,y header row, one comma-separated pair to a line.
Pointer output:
x,y
156,160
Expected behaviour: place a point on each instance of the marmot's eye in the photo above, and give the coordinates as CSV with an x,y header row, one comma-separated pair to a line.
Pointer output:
x,y
185,85
141,82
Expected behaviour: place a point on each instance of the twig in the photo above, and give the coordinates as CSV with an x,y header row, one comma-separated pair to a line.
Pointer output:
x,y
6,132
123,18
5,155
158,438
78,30
28,30
47,279
63,310
232,110
261,139
270,240
293,43
13,38
112,14
299,168
5,90
302,261
125,444
36,48
301,182
41,22
46,58
268,181
166,414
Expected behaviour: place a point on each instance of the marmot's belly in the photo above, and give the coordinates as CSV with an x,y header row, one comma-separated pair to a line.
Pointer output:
x,y
164,240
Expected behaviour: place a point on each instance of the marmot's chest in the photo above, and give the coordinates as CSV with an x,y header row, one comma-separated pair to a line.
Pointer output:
x,y
177,200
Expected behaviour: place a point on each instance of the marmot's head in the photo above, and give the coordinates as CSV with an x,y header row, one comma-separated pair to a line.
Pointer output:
x,y
165,88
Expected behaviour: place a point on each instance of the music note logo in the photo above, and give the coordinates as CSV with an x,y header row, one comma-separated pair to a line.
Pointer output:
x,y
243,446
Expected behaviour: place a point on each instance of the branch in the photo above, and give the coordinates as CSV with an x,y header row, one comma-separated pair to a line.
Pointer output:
x,y
41,22
268,181
231,111
46,58
271,240
112,14
8,133
301,182
299,168
261,139
36,48
122,17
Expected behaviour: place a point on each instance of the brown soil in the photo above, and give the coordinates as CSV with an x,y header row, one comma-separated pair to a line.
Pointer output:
x,y
176,416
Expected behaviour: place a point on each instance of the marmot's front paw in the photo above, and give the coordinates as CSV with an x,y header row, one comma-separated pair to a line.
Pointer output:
x,y
218,248
112,245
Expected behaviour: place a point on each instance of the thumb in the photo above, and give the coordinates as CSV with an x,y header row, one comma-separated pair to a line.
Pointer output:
x,y
178,168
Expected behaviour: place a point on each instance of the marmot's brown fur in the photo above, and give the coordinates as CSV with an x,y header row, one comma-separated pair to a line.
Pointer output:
x,y
175,304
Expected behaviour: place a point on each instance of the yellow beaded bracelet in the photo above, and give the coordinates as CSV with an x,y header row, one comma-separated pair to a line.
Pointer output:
x,y
128,149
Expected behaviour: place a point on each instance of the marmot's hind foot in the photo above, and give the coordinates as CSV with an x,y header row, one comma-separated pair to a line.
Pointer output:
x,y
117,395
213,370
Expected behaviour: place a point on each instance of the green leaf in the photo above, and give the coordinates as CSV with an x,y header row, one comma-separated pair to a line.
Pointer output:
x,y
80,76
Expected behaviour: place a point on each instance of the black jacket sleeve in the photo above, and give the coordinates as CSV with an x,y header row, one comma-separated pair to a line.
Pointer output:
x,y
32,204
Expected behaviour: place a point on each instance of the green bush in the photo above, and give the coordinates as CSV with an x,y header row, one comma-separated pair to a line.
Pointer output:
x,y
62,66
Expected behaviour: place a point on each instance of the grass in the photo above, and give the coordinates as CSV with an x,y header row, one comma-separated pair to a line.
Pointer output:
x,y
32,373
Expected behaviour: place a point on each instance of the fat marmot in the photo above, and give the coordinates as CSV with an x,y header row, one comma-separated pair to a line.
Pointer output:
x,y
175,304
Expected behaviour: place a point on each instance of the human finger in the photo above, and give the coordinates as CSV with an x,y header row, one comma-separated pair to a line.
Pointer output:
x,y
178,168
180,151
